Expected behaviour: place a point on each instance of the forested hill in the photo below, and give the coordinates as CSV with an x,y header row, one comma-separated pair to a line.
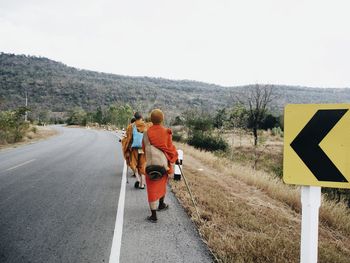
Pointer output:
x,y
54,86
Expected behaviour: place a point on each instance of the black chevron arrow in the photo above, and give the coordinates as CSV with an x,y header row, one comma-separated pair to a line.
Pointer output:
x,y
306,145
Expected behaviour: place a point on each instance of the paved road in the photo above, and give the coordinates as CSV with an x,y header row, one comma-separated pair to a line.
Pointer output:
x,y
59,200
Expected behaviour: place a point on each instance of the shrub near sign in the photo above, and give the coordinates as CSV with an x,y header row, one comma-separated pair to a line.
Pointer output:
x,y
317,145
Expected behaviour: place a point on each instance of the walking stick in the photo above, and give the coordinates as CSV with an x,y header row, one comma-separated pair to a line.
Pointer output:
x,y
190,192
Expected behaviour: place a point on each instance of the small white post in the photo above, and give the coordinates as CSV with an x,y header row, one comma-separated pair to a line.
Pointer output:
x,y
177,171
310,201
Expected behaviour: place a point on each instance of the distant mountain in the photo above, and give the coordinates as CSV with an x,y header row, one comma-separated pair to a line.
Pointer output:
x,y
54,86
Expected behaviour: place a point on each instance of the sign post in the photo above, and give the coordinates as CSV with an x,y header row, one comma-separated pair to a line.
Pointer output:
x,y
310,201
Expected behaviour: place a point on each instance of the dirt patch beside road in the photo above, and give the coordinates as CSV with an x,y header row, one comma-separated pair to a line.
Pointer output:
x,y
35,134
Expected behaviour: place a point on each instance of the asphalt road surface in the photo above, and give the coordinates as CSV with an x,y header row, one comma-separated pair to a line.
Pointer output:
x,y
59,203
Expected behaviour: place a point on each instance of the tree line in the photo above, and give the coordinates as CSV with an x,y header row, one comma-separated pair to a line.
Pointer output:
x,y
116,115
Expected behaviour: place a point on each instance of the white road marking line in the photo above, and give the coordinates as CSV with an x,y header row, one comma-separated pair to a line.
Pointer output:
x,y
19,165
118,228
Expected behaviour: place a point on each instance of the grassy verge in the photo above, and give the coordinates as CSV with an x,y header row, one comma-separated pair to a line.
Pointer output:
x,y
250,216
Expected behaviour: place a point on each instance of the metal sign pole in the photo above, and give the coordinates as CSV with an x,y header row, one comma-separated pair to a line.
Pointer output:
x,y
310,201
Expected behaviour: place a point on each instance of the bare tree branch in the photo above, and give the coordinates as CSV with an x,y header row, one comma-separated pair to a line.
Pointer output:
x,y
258,99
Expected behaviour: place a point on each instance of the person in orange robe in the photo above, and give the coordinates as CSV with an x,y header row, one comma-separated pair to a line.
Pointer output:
x,y
161,138
125,141
134,156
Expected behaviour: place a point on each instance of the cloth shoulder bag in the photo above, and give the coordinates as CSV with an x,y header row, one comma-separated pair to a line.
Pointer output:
x,y
156,161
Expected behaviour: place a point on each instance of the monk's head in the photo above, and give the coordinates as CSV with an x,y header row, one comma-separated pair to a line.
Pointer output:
x,y
137,116
157,116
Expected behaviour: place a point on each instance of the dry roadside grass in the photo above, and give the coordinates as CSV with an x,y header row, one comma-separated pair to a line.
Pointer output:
x,y
249,216
31,136
267,156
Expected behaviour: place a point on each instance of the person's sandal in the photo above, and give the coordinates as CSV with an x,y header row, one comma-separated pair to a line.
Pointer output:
x,y
142,187
137,184
151,219
163,208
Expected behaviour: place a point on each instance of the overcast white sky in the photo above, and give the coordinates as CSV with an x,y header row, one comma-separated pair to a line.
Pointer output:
x,y
227,42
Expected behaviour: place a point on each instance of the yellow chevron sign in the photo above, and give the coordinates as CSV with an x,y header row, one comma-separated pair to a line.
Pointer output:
x,y
317,145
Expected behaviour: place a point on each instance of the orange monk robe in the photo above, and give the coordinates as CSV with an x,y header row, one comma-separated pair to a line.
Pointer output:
x,y
125,150
132,156
161,138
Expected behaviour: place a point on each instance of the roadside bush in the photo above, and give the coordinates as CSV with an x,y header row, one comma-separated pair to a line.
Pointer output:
x,y
207,142
177,137
77,116
34,129
277,131
12,126
198,122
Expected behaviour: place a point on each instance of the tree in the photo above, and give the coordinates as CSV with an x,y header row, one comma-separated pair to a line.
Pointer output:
x,y
112,115
197,122
43,117
270,121
220,118
238,119
125,113
99,115
12,125
177,121
77,116
257,99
